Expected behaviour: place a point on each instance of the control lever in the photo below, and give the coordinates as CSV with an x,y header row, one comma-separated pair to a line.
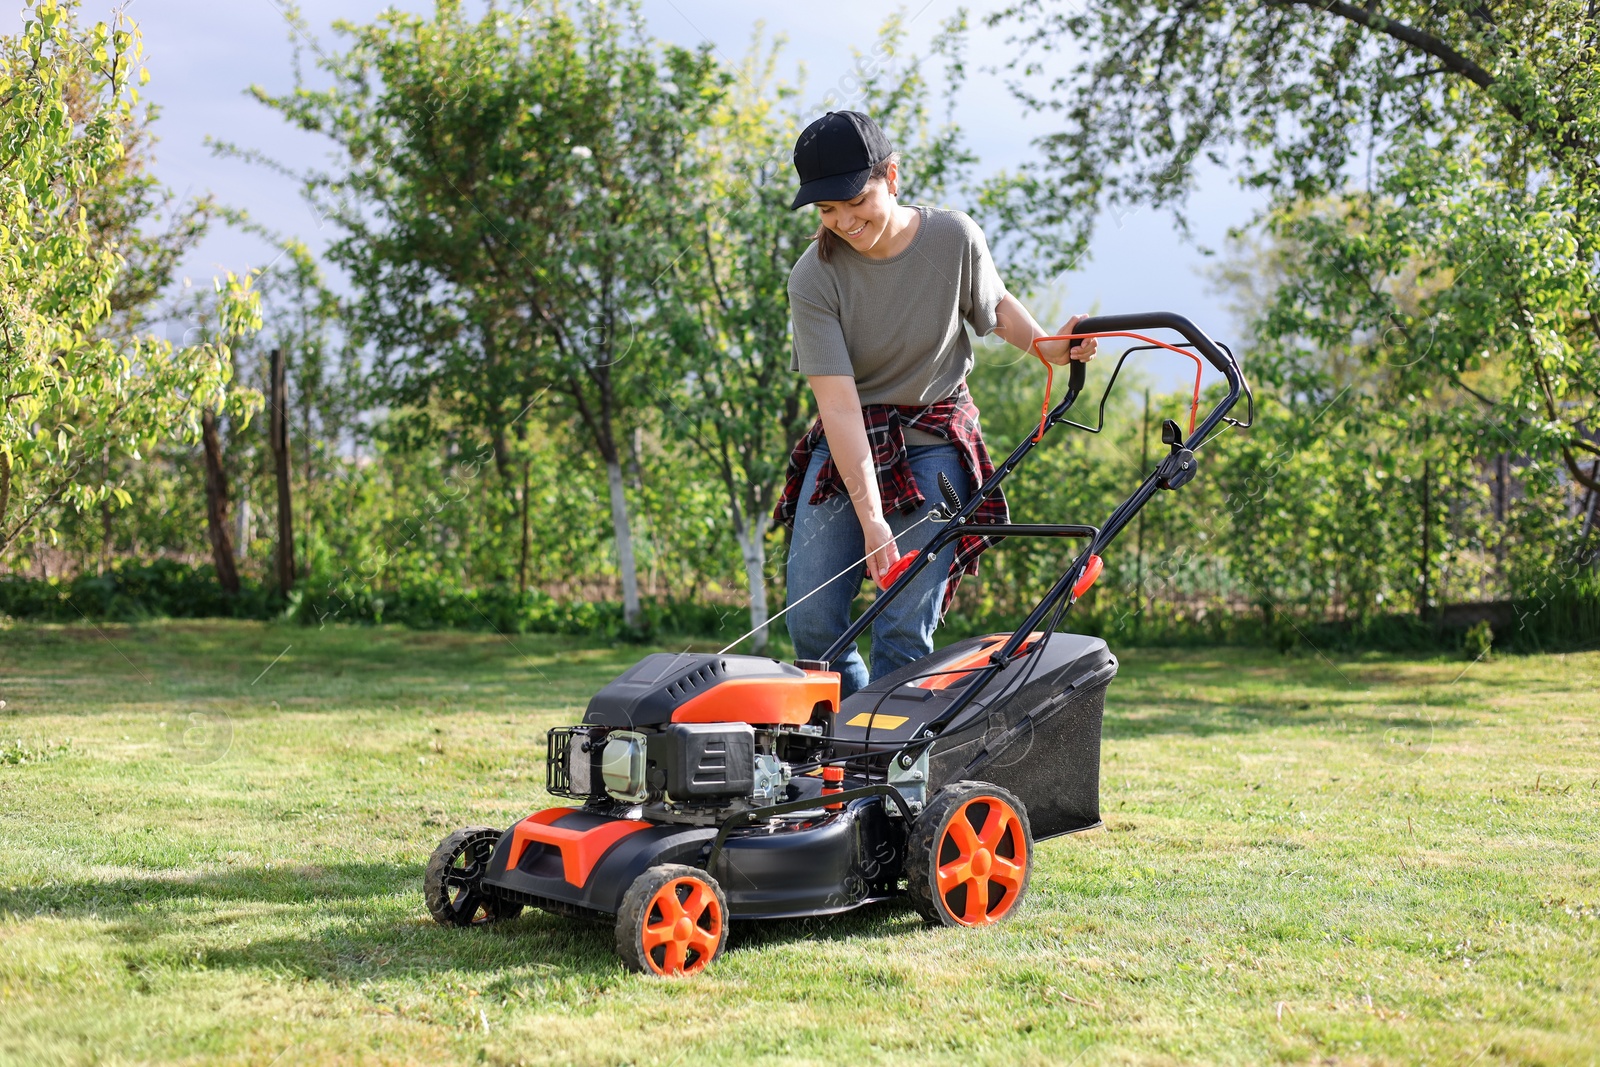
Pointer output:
x,y
952,502
1180,465
1171,435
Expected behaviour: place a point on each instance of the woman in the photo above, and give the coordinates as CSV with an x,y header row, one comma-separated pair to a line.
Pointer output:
x,y
880,302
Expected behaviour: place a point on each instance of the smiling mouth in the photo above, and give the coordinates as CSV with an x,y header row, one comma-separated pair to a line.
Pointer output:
x,y
852,234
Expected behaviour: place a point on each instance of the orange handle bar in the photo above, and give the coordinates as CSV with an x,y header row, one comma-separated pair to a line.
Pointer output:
x,y
1044,412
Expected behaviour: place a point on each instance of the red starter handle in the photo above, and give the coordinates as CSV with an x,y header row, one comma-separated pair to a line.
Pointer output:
x,y
898,569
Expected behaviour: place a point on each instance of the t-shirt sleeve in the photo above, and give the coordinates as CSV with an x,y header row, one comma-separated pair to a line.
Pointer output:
x,y
819,346
984,289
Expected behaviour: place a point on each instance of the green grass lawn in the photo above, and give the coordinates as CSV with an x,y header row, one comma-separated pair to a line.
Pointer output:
x,y
213,837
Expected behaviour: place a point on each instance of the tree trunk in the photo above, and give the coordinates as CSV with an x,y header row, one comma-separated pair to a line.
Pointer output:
x,y
217,505
279,433
1424,609
242,524
5,487
310,455
619,527
1500,488
1591,504
753,547
1500,463
522,564
105,513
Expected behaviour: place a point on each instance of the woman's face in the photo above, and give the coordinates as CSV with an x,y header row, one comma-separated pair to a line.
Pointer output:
x,y
863,221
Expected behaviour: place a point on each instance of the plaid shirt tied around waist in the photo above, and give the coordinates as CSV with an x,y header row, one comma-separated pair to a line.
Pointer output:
x,y
955,419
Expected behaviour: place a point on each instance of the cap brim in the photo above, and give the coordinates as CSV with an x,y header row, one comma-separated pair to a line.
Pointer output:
x,y
833,187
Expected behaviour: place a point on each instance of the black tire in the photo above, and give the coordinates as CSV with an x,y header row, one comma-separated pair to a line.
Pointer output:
x,y
956,822
451,884
651,940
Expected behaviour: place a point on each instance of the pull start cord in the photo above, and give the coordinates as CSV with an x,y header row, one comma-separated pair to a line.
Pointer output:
x,y
931,514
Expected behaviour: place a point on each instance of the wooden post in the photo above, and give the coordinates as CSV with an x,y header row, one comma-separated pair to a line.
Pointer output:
x,y
279,433
217,505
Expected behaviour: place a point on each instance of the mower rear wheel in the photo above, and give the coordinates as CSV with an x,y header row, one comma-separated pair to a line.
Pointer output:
x,y
969,855
452,884
673,920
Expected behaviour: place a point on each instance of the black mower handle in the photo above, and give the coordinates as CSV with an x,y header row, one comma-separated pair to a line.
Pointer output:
x,y
1166,320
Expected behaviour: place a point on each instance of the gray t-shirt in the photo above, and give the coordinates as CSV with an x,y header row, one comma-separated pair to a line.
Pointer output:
x,y
898,325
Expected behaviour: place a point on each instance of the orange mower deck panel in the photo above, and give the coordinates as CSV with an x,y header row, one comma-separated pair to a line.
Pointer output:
x,y
961,669
580,849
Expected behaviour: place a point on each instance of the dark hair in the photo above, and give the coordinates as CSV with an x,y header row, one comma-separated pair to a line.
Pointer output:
x,y
826,239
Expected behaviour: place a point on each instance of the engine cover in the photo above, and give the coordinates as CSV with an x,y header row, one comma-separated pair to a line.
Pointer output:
x,y
704,687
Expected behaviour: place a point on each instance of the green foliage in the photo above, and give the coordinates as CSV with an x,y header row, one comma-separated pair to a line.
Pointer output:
x,y
1479,641
17,752
564,361
131,592
507,204
78,395
1448,278
732,401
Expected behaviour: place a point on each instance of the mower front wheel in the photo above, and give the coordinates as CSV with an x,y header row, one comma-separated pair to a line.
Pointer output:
x,y
452,883
673,920
968,855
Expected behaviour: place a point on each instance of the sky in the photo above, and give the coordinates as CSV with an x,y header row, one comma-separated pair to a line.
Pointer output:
x,y
203,56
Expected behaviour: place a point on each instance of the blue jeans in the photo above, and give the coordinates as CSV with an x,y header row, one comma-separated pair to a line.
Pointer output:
x,y
827,539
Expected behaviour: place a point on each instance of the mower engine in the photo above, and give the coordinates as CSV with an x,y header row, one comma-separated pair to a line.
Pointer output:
x,y
693,738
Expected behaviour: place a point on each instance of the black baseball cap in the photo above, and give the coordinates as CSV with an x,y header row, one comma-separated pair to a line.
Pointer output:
x,y
835,156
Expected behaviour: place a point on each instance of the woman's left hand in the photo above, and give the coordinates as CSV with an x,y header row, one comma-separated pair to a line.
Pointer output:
x,y
1058,353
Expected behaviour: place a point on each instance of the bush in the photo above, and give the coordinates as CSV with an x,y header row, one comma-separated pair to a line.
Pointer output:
x,y
1479,641
1566,618
167,589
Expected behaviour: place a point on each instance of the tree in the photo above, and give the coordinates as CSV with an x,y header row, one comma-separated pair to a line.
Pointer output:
x,y
77,393
736,403
741,407
508,206
1451,145
296,361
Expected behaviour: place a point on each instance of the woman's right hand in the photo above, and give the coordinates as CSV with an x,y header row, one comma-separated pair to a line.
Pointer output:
x,y
876,532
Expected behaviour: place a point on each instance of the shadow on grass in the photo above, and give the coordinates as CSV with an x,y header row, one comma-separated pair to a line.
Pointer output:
x,y
346,928
287,884
873,920
344,918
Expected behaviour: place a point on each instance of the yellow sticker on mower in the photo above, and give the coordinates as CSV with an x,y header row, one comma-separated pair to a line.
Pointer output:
x,y
878,722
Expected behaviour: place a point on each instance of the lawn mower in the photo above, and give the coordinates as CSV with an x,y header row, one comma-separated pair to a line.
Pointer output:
x,y
713,787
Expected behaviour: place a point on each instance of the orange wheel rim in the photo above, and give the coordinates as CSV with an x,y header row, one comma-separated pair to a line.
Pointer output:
x,y
682,927
982,861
